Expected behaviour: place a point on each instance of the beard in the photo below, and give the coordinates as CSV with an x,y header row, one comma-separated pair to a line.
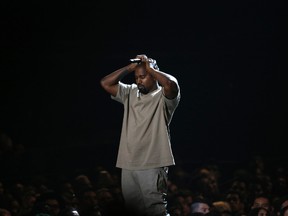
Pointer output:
x,y
142,89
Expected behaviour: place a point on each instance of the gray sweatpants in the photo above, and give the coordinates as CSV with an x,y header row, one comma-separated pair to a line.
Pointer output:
x,y
144,191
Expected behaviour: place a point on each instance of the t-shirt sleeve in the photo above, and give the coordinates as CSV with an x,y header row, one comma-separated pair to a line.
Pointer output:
x,y
122,93
171,104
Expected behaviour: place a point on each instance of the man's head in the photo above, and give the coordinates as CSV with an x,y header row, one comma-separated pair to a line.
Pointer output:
x,y
144,80
200,205
261,201
235,201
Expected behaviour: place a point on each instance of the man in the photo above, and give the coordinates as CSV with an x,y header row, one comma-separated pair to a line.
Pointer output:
x,y
236,202
200,205
145,150
263,201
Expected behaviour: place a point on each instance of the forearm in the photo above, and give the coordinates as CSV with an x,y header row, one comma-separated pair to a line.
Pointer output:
x,y
162,77
110,82
114,77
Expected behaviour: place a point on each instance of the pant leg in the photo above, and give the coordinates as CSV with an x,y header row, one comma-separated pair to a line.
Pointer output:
x,y
154,189
145,190
132,193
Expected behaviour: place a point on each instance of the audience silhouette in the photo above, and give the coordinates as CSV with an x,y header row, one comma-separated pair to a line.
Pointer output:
x,y
255,188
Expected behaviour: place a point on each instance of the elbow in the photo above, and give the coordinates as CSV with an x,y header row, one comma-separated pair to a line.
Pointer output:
x,y
108,87
103,83
171,89
171,84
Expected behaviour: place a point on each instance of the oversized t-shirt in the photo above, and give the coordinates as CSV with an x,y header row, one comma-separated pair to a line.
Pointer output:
x,y
145,136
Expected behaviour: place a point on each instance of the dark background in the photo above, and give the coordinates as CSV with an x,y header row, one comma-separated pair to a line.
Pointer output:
x,y
227,56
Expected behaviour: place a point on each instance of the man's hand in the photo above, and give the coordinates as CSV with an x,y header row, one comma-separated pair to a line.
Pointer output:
x,y
150,63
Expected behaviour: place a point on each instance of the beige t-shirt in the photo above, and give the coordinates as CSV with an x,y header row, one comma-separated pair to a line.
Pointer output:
x,y
145,137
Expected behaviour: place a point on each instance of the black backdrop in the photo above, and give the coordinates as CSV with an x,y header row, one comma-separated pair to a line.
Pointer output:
x,y
227,57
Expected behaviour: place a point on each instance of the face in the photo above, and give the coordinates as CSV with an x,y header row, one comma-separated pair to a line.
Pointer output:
x,y
284,204
90,198
204,208
201,208
262,212
53,206
261,202
239,186
234,201
145,82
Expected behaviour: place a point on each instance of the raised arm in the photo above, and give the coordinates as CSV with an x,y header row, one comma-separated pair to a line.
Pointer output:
x,y
167,81
110,82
